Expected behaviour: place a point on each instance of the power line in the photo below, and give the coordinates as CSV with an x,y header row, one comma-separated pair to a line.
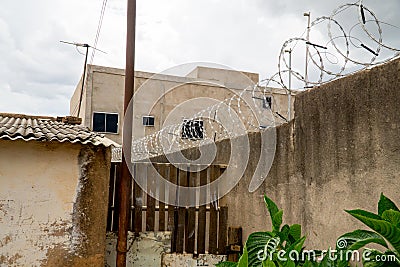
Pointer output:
x,y
96,39
103,8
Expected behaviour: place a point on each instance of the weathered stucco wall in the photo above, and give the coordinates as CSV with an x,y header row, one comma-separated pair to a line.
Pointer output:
x,y
53,203
340,152
153,249
145,250
187,260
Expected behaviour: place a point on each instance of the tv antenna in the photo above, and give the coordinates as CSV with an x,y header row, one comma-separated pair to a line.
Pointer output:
x,y
87,46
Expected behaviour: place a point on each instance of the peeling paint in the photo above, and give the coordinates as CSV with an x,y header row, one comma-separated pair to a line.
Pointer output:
x,y
52,211
27,235
152,249
37,192
144,250
187,260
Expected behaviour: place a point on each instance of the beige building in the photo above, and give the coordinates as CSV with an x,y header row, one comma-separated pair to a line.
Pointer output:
x,y
54,180
160,95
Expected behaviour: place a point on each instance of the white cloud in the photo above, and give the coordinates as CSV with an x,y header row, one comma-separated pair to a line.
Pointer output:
x,y
38,74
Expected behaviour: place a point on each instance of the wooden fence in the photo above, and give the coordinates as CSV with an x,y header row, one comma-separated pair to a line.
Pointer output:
x,y
197,230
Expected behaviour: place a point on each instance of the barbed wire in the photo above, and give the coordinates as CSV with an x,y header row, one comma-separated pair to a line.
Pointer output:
x,y
349,52
342,53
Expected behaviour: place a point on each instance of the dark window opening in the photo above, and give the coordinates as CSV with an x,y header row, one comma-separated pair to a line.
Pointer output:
x,y
148,121
99,122
105,122
192,129
267,103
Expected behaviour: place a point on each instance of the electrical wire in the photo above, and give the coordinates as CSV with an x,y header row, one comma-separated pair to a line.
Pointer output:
x,y
103,8
96,39
252,116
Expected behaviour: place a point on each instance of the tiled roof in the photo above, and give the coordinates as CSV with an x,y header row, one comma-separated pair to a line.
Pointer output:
x,y
24,127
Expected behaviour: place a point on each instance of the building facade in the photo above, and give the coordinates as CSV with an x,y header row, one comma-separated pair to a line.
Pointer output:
x,y
101,102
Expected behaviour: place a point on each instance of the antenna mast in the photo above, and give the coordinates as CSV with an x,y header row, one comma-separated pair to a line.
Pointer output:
x,y
84,68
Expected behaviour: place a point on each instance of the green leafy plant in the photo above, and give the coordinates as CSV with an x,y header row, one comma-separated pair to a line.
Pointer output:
x,y
262,248
386,231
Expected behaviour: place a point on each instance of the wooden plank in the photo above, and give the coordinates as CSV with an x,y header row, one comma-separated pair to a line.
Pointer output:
x,y
181,235
138,198
172,212
115,196
172,176
191,214
151,202
132,214
161,205
213,232
222,230
201,223
111,207
110,211
234,240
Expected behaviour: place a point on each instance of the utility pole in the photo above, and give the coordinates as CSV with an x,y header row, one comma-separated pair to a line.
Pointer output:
x,y
125,182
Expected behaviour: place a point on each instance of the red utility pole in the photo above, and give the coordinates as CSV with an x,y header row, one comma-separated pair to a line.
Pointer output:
x,y
124,183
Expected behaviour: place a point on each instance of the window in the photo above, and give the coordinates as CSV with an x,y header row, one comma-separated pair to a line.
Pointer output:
x,y
267,102
148,120
192,129
105,122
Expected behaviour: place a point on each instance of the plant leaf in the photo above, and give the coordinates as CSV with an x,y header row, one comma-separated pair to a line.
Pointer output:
x,y
243,260
260,241
268,263
327,261
310,264
371,260
384,228
364,214
295,231
227,264
385,204
358,239
277,220
311,255
271,206
284,233
298,245
274,212
392,216
289,263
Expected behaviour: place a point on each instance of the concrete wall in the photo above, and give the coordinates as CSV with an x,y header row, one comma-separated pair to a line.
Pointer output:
x,y
340,152
53,203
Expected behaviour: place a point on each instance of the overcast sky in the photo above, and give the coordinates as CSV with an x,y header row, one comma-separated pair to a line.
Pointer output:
x,y
38,74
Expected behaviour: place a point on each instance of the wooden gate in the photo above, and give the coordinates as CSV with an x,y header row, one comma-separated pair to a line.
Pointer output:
x,y
197,230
